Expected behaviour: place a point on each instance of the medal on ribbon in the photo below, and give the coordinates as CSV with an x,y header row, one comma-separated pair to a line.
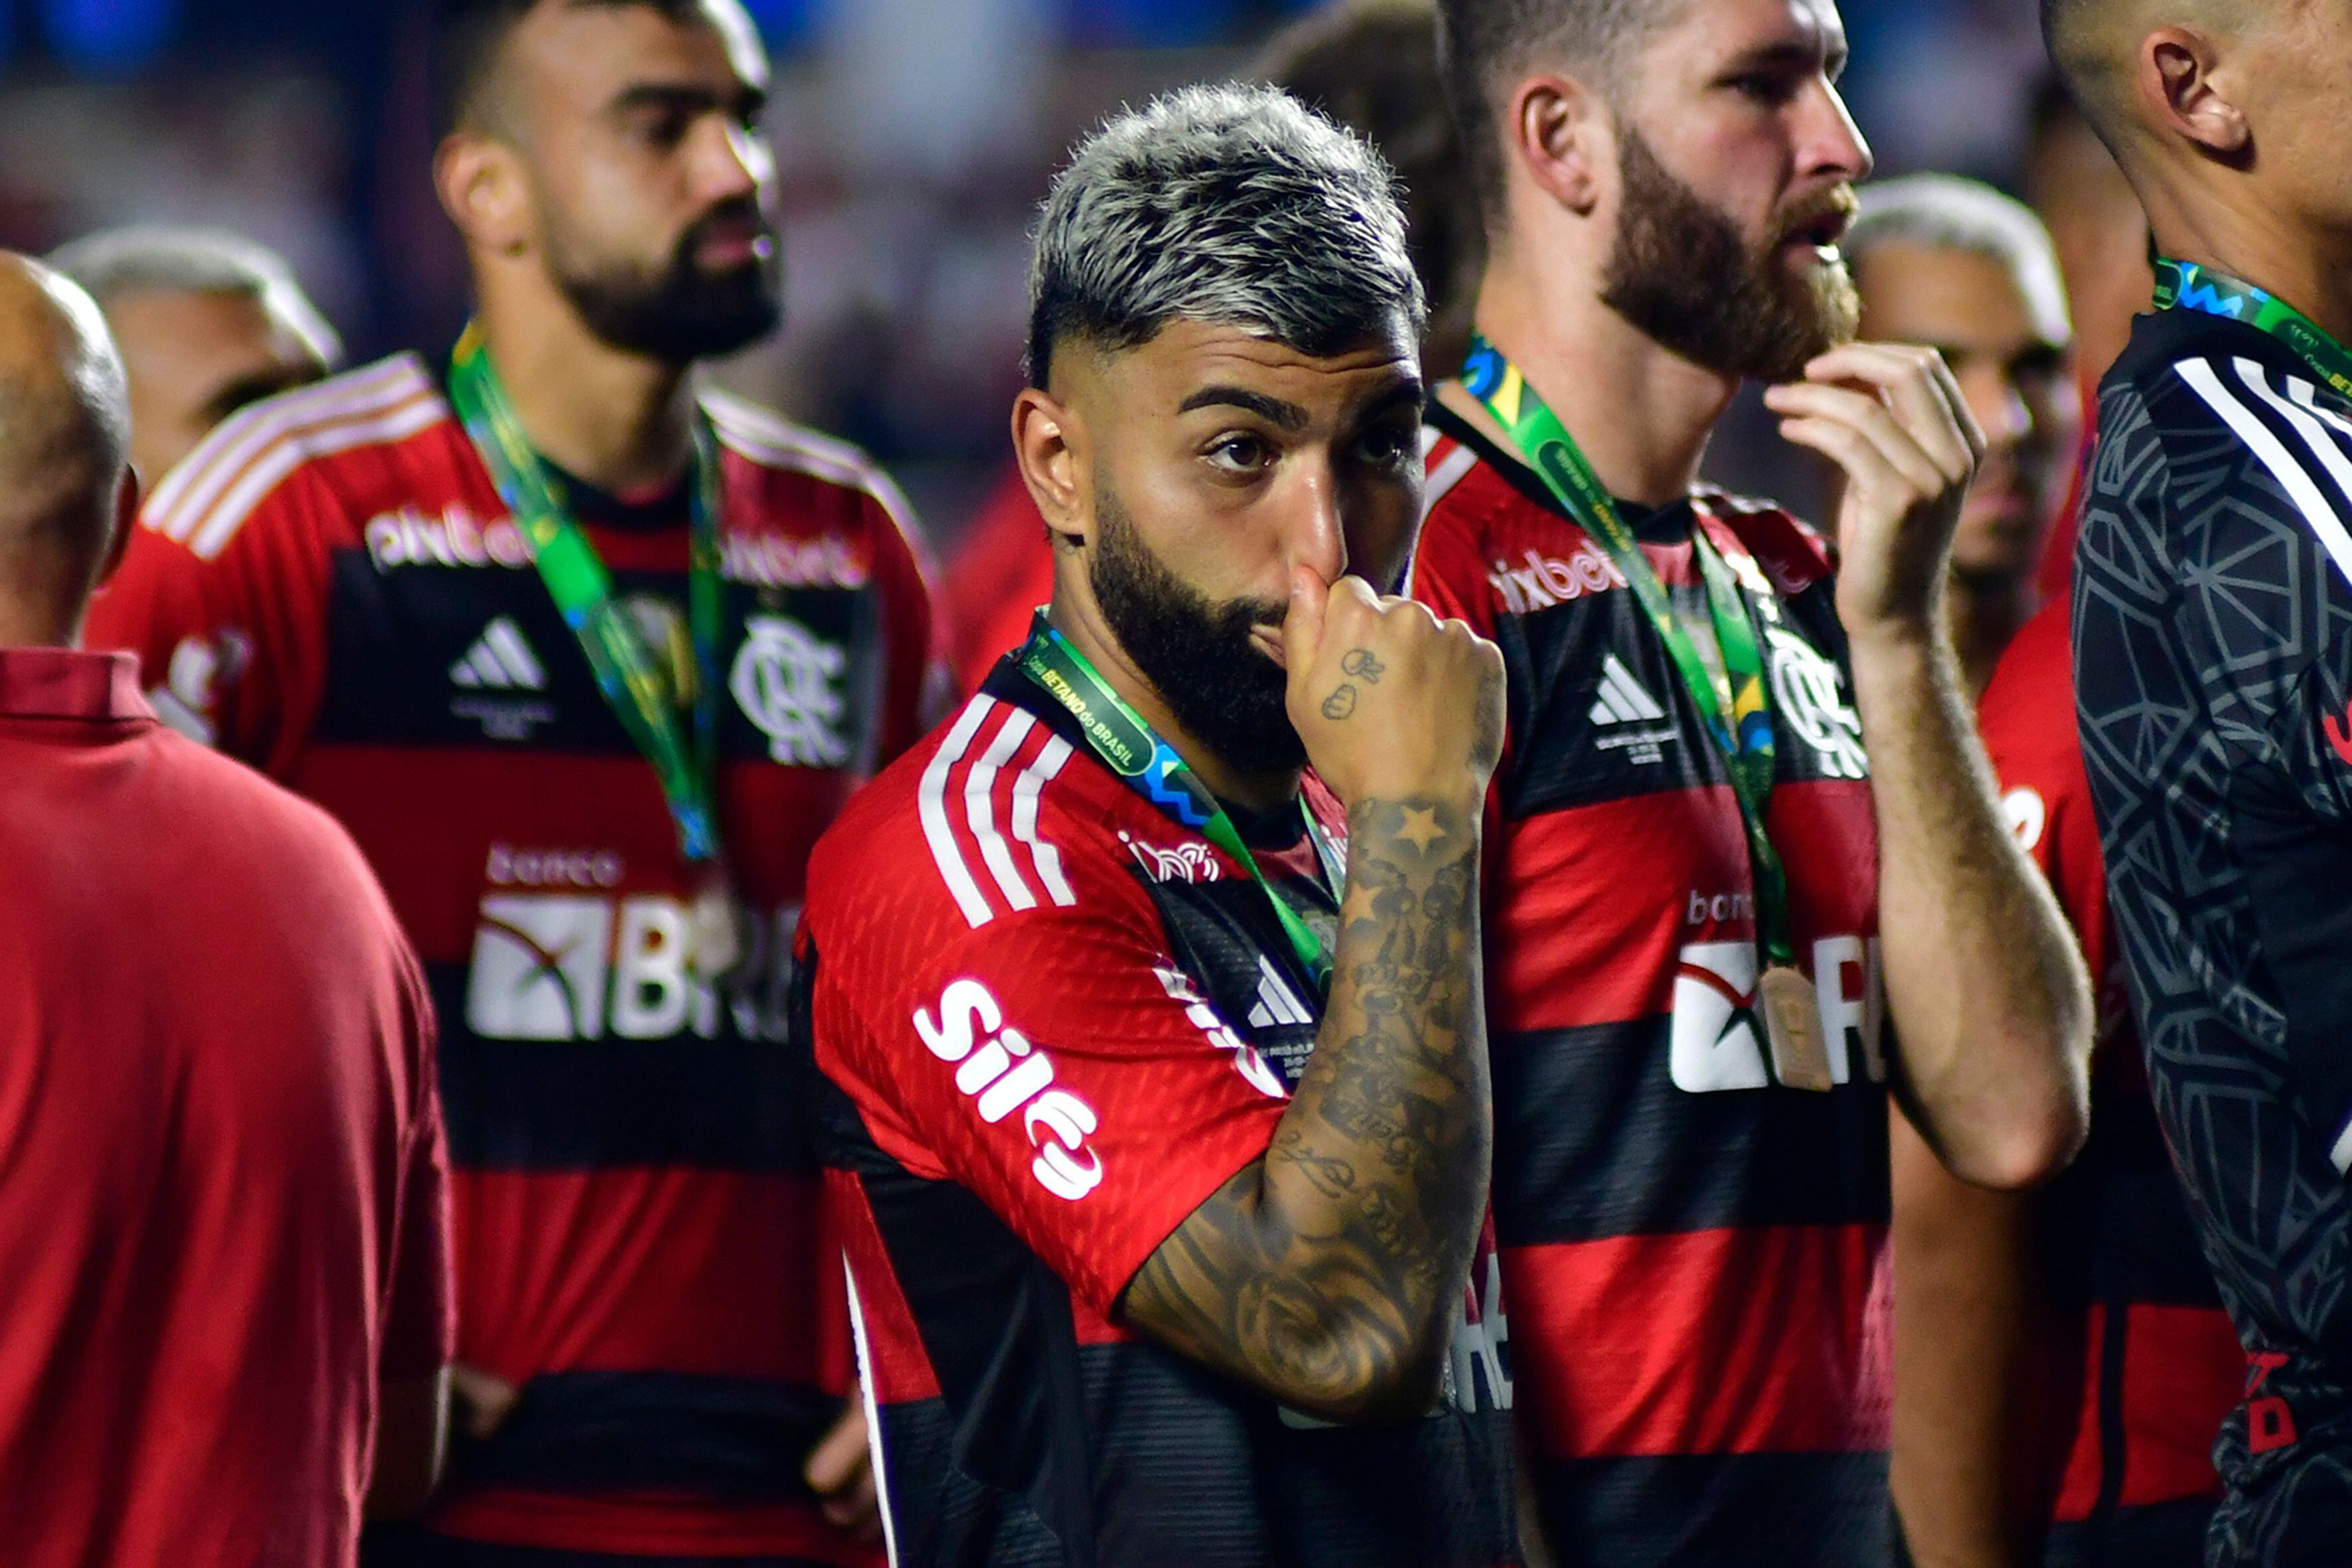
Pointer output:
x,y
647,678
1729,692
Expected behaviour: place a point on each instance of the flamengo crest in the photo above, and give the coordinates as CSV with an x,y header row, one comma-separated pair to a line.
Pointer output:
x,y
788,682
1190,861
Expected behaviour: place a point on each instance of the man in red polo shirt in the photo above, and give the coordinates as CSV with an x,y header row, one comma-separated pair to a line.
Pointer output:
x,y
223,1220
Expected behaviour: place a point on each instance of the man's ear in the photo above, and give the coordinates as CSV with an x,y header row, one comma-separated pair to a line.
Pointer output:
x,y
2175,72
1049,442
480,180
1557,134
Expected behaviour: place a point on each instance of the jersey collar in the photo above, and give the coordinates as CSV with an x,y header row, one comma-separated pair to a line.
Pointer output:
x,y
1669,524
1276,832
65,683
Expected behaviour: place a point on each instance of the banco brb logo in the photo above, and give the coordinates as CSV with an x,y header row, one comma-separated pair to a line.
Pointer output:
x,y
787,681
566,966
1716,1041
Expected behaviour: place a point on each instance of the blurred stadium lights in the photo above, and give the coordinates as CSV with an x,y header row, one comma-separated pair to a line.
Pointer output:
x,y
787,24
783,22
110,38
103,37
1149,22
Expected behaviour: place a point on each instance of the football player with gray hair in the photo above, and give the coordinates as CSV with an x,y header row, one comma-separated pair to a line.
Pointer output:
x,y
2062,1363
1957,267
208,321
1203,1299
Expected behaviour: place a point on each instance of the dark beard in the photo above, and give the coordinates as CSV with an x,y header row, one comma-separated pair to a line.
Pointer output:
x,y
680,314
1198,656
1681,272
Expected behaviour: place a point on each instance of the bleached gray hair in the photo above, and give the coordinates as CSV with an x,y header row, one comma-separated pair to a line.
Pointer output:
x,y
1236,205
168,259
1945,212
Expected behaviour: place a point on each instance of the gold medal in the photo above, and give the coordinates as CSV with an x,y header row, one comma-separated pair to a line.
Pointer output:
x,y
714,927
1792,1024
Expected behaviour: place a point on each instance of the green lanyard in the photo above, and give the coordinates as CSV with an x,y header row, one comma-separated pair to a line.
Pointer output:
x,y
1126,742
632,680
1730,697
2190,286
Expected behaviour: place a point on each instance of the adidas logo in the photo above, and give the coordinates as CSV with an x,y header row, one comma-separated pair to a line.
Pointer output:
x,y
499,661
1278,1004
1623,699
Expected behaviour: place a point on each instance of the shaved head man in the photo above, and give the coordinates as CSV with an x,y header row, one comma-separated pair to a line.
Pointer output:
x,y
207,324
1964,270
2187,92
223,1224
2213,662
67,495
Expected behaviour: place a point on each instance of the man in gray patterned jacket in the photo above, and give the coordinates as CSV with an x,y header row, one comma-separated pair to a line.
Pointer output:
x,y
2213,657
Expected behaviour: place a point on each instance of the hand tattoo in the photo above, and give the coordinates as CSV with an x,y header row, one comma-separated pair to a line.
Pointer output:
x,y
1361,664
1329,1272
1340,704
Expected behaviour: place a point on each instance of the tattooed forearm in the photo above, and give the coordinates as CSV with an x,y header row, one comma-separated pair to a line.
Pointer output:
x,y
1329,1273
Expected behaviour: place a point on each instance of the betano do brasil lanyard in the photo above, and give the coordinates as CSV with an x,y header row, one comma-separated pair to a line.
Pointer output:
x,y
1130,747
1729,696
640,689
2188,286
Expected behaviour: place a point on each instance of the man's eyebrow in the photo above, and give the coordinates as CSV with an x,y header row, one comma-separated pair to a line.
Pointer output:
x,y
682,97
1272,410
1408,389
1786,55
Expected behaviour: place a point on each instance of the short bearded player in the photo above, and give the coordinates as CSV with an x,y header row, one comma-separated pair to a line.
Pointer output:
x,y
1748,867
585,656
1160,1154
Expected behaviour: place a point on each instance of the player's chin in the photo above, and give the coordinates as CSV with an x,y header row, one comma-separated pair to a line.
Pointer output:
x,y
2002,543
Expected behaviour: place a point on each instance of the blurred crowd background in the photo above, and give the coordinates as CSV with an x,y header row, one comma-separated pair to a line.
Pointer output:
x,y
914,138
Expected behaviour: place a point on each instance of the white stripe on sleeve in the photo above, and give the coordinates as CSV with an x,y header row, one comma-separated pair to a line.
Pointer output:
x,y
2304,423
1044,855
932,804
979,810
2290,475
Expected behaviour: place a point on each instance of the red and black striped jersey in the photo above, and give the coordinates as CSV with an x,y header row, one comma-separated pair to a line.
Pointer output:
x,y
330,588
2146,1366
1693,1261
1055,1022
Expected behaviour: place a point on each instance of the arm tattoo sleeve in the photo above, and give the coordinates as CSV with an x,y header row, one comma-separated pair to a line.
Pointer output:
x,y
1329,1272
